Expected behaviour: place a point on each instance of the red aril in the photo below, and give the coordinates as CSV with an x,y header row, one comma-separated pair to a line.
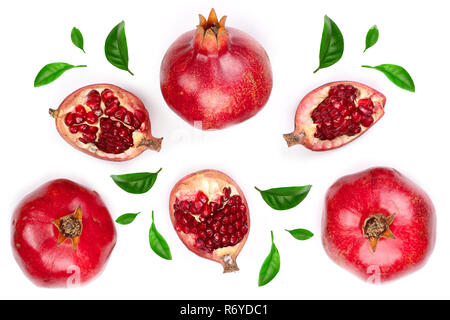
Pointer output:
x,y
210,215
215,76
106,122
378,224
335,114
62,234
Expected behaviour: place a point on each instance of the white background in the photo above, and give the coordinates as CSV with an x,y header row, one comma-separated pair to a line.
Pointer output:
x,y
411,137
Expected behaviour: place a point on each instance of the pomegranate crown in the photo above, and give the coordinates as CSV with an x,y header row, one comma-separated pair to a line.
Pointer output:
x,y
212,24
211,34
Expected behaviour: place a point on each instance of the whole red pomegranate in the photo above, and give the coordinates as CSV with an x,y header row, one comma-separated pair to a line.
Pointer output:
x,y
210,215
62,234
215,76
106,122
378,224
335,114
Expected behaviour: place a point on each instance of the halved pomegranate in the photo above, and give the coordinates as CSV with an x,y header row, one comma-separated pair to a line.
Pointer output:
x,y
210,215
106,122
335,114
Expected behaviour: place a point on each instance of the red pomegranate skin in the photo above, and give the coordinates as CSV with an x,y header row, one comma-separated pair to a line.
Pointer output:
x,y
354,198
34,236
215,81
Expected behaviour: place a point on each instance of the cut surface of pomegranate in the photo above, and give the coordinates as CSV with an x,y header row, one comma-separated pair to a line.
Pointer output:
x,y
106,122
215,76
210,215
335,114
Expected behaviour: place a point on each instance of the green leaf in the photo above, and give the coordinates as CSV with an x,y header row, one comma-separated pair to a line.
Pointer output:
x,y
77,38
116,49
127,218
301,234
371,37
398,75
286,197
136,183
271,265
158,243
331,45
51,72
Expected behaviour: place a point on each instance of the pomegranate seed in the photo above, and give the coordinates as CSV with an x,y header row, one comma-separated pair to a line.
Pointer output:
x,y
107,94
225,240
123,132
91,118
213,206
70,119
202,197
140,116
80,110
113,102
367,122
83,128
79,119
216,226
73,129
93,104
206,211
226,192
184,205
98,112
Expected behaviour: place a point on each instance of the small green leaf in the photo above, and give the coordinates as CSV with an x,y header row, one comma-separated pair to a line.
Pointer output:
x,y
136,183
331,45
51,72
284,198
127,218
271,265
371,37
77,38
158,243
301,234
116,48
398,75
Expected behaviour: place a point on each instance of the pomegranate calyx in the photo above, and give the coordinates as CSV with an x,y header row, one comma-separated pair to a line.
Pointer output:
x,y
53,113
152,144
229,264
294,138
212,23
211,34
376,226
70,227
